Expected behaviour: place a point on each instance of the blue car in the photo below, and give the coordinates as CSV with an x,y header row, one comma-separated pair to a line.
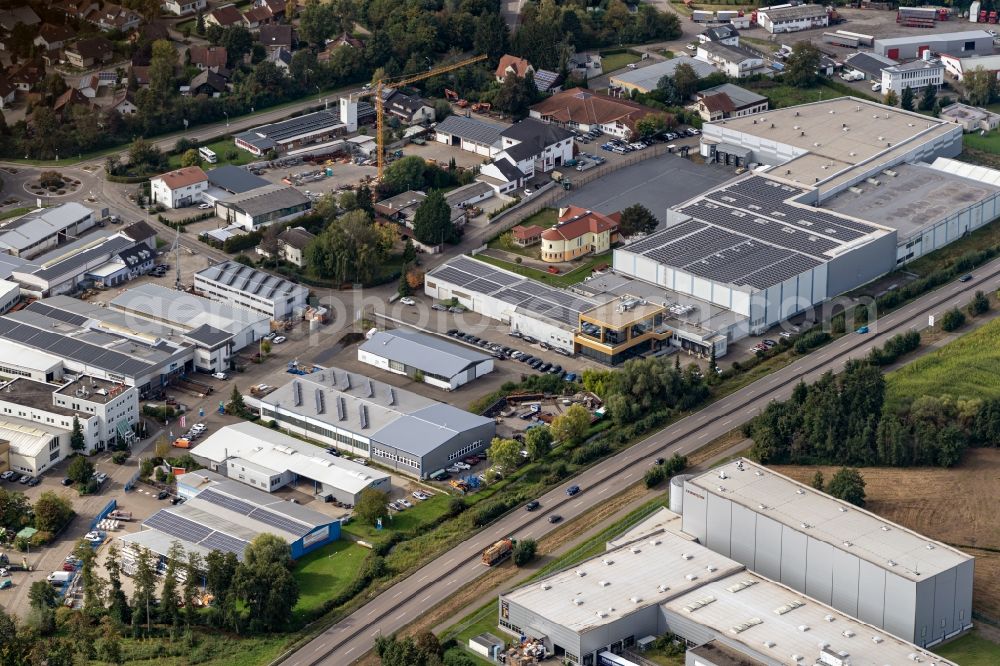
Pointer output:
x,y
863,329
572,490
570,377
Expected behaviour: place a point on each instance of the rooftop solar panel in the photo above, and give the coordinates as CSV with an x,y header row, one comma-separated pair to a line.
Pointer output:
x,y
281,522
225,543
226,502
177,526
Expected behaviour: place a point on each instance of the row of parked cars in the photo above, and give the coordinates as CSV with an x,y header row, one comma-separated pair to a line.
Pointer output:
x,y
402,504
26,479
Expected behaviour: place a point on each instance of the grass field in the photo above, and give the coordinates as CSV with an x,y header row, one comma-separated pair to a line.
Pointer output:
x,y
221,147
989,143
913,497
782,95
14,212
987,236
971,650
545,218
615,61
560,280
422,513
325,573
209,649
965,368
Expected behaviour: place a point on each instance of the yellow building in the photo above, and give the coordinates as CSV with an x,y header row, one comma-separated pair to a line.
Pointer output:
x,y
621,329
579,232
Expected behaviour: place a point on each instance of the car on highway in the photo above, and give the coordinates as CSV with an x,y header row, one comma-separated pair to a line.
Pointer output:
x,y
862,330
554,518
573,490
532,505
406,300
965,278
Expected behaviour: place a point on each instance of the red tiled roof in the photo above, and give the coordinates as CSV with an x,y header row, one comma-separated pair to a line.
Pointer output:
x,y
525,232
519,65
576,221
183,177
585,107
227,15
210,56
718,102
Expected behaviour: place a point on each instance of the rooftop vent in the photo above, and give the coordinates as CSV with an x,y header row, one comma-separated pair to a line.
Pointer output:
x,y
877,639
699,603
848,544
710,568
743,626
930,546
686,556
789,607
759,473
742,585
829,618
546,586
578,601
662,588
635,549
581,573
762,507
608,562
848,633
796,658
721,489
602,613
799,491
635,600
803,628
885,528
843,509
691,577
654,542
891,563
722,474
603,583
769,644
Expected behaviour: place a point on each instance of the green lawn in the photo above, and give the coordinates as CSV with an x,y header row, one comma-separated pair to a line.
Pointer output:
x,y
782,95
985,236
210,649
411,520
221,147
326,572
560,280
970,650
615,61
989,143
14,212
965,368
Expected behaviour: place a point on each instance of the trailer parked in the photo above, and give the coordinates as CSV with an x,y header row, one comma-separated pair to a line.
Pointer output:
x,y
863,40
838,39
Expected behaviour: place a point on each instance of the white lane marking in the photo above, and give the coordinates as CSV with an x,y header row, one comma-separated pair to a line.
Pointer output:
x,y
750,411
449,582
425,599
602,490
396,596
401,616
628,476
372,612
703,435
423,579
449,561
727,422
345,654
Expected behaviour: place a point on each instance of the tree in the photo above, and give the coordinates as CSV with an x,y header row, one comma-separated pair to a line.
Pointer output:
x,y
802,65
403,289
817,480
906,99
41,594
13,509
848,484
51,512
199,23
118,609
927,98
637,219
366,202
505,454
265,347
162,65
432,223
979,305
652,124
220,571
980,86
169,598
685,81
952,319
192,574
236,405
264,582
572,425
402,175
538,442
80,470
191,158
77,442
371,506
890,98
654,476
491,35
524,552
409,252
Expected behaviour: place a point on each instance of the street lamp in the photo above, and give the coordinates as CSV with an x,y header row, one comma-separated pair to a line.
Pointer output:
x,y
227,118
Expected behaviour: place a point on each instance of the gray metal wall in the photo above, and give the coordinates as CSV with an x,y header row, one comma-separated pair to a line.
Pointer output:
x,y
861,265
910,49
923,612
525,620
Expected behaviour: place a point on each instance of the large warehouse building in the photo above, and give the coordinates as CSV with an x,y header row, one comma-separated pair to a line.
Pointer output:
x,y
863,565
245,287
398,429
438,362
656,579
269,460
226,516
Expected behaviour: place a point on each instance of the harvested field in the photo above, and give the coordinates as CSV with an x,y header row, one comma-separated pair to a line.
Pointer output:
x,y
957,506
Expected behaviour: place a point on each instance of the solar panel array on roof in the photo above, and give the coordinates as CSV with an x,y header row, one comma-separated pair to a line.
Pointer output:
x,y
226,502
759,227
225,543
188,530
281,522
56,313
247,279
72,349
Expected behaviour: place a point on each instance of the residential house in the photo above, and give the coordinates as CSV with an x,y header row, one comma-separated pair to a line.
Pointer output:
x,y
585,110
868,63
525,236
141,75
579,232
264,12
585,65
292,244
207,57
225,16
208,82
282,59
24,15
7,93
89,85
183,7
123,103
115,18
536,146
411,110
344,39
502,174
72,97
26,76
735,62
150,32
51,37
512,65
728,101
547,81
274,37
917,75
179,188
86,53
78,10
721,34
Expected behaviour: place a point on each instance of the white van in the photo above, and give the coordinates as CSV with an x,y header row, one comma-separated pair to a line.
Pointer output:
x,y
59,578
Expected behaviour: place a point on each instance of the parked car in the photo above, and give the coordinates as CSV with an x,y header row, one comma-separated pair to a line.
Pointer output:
x,y
270,336
406,300
561,351
515,334
457,309
544,345
404,502
278,340
24,478
544,367
863,330
452,332
33,481
8,475
162,495
67,481
439,307
462,465
204,206
220,376
530,340
769,343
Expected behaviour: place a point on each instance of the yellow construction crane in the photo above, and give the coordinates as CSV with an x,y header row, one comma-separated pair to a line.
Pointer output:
x,y
382,84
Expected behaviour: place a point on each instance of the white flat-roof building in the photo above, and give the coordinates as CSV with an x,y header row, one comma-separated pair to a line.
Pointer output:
x,y
971,118
916,74
17,361
34,447
36,232
437,362
263,206
792,18
10,294
964,43
958,66
245,287
859,563
269,460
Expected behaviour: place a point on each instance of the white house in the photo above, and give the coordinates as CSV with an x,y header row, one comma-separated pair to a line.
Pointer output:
x,y
179,188
535,146
183,7
917,74
735,61
792,18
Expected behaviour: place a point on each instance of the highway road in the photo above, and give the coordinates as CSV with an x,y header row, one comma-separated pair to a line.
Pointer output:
x,y
352,637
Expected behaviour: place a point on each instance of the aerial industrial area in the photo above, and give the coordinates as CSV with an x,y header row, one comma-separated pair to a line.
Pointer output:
x,y
593,334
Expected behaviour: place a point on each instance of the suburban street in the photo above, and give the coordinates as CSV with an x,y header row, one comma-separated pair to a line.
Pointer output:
x,y
352,637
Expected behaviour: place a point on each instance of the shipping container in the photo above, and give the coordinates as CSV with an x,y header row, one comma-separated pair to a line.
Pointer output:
x,y
838,39
863,40
726,15
699,16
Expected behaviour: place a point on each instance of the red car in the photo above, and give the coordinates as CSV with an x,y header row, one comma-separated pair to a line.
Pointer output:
x,y
68,567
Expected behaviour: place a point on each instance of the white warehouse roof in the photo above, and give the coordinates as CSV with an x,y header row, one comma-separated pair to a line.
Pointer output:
x,y
278,452
831,520
966,170
183,310
424,352
34,227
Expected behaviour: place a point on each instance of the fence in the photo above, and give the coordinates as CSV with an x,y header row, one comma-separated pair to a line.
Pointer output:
x,y
108,508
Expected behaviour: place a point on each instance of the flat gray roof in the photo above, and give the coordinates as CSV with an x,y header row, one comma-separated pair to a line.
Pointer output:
x,y
648,77
267,199
472,129
76,263
872,538
266,137
183,310
24,231
913,200
235,179
428,353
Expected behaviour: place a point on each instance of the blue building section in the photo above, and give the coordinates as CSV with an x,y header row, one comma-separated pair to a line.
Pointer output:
x,y
318,538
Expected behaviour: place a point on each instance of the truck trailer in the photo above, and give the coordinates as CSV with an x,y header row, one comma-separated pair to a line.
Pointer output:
x,y
838,39
498,552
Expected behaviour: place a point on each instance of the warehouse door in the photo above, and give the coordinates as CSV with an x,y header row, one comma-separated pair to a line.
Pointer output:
x,y
892,53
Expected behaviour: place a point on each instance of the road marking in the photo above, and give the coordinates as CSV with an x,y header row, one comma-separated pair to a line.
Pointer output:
x,y
422,579
449,561
396,596
602,490
703,435
401,616
449,582
578,503
750,411
628,476
372,612
345,654
425,599
727,422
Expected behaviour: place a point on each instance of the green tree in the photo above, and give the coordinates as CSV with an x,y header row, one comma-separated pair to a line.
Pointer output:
x,y
347,201
432,222
170,612
403,289
199,24
906,99
371,506
219,574
685,82
927,98
162,65
890,98
524,551
366,202
404,174
192,574
409,253
654,476
143,597
572,425
637,219
491,35
265,347
264,583
505,454
93,585
80,470
979,304
817,480
191,158
41,594
652,124
848,485
980,86
236,405
802,65
13,509
538,442
118,609
77,442
952,319
51,512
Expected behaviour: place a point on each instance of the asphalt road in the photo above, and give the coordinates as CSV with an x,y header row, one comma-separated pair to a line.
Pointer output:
x,y
351,638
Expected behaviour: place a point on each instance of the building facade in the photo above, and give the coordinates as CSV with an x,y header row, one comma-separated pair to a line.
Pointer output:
x,y
436,362
180,188
577,233
916,75
245,287
964,44
792,18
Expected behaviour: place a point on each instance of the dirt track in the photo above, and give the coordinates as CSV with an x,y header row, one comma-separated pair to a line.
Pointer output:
x,y
958,506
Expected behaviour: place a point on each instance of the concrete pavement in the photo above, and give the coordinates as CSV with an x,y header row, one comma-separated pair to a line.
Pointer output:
x,y
352,637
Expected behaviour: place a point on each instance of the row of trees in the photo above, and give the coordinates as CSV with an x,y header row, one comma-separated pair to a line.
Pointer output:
x,y
49,514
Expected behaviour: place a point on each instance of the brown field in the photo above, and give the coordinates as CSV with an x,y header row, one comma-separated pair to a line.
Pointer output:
x,y
958,506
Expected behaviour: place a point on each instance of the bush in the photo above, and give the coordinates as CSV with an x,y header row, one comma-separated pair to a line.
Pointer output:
x,y
590,452
41,538
979,305
812,339
524,552
655,475
119,457
952,320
